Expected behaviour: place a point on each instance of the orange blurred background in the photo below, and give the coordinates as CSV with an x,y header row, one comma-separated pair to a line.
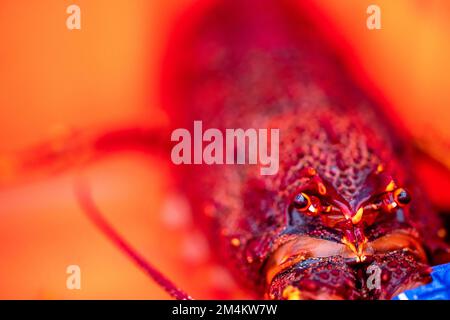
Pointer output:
x,y
106,75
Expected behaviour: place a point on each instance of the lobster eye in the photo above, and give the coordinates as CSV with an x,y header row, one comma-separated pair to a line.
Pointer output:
x,y
301,202
402,197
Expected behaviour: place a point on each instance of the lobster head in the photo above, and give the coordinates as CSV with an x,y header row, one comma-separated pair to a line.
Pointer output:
x,y
349,214
339,233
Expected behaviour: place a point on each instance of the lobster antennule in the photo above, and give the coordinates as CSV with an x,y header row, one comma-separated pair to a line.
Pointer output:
x,y
83,194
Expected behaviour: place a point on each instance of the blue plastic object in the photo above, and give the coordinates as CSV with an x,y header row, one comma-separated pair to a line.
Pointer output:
x,y
438,289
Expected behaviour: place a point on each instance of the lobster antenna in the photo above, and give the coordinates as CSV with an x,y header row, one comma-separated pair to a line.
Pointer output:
x,y
84,197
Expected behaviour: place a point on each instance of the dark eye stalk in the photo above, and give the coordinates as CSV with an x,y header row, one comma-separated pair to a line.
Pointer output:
x,y
310,205
402,197
301,202
390,201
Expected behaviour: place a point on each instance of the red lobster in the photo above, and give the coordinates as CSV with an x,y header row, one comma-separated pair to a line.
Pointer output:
x,y
344,201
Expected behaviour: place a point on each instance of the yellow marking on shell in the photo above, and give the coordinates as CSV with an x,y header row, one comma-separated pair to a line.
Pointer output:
x,y
361,258
322,189
357,217
360,255
312,171
235,242
392,205
442,233
349,244
313,209
391,186
291,293
380,168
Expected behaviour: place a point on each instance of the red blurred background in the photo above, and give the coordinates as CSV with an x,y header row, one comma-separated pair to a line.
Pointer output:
x,y
106,75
